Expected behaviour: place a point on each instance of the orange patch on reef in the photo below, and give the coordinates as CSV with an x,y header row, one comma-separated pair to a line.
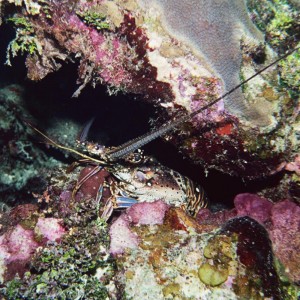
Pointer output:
x,y
225,129
177,219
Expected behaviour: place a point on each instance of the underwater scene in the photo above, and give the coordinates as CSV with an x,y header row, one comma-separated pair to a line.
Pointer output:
x,y
150,149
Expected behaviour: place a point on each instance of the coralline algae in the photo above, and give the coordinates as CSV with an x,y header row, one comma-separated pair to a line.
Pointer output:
x,y
18,244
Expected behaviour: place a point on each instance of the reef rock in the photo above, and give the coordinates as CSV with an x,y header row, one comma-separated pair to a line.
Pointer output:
x,y
284,232
61,247
281,220
179,258
22,165
57,247
179,57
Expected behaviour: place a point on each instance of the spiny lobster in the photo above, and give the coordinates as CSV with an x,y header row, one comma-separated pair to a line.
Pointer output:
x,y
140,177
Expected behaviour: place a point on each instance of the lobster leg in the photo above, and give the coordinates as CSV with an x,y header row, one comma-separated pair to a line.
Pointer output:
x,y
108,210
125,202
115,203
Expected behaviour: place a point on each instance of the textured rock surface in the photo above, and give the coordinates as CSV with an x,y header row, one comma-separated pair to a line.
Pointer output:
x,y
55,247
282,221
18,244
285,236
151,250
176,259
254,206
215,30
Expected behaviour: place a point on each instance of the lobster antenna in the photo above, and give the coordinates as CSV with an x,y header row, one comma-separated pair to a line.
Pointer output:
x,y
138,142
59,146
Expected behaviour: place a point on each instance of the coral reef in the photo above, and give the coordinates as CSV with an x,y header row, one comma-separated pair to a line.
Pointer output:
x,y
23,166
66,234
56,248
60,247
281,220
179,258
179,67
217,38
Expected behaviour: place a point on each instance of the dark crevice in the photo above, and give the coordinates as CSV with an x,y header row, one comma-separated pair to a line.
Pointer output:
x,y
117,120
221,188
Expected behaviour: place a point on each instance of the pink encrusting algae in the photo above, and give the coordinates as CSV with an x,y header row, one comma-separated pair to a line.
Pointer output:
x,y
18,245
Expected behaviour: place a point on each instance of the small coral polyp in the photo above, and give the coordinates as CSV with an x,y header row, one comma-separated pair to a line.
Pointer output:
x,y
178,64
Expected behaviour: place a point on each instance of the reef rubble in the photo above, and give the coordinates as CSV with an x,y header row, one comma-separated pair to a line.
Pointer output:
x,y
60,246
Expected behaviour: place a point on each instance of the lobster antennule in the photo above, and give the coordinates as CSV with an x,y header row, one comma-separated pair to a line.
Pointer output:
x,y
82,137
130,146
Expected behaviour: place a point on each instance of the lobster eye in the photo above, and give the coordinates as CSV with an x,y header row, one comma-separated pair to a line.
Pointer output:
x,y
137,157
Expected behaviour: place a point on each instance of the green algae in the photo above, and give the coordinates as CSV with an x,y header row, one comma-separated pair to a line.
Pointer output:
x,y
21,22
25,40
211,275
290,72
95,19
171,290
290,291
278,19
220,252
65,271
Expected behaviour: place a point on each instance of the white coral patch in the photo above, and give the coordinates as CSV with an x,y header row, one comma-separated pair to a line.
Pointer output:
x,y
31,6
178,73
4,255
155,40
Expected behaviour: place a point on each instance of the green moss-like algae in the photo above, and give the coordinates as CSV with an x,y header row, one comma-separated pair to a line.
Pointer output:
x,y
65,271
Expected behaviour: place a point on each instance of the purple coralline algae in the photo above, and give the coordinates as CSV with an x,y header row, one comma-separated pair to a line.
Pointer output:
x,y
17,246
254,206
146,214
284,232
19,243
178,57
49,228
155,213
139,214
122,237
